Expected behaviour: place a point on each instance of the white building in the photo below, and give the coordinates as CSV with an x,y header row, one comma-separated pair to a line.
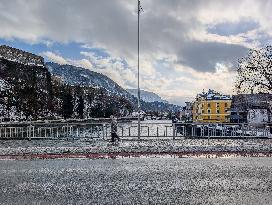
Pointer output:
x,y
258,116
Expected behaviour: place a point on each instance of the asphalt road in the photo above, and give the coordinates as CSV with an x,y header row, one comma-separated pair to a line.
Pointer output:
x,y
137,181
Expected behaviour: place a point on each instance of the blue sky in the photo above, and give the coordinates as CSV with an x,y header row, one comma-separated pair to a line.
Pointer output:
x,y
186,46
67,50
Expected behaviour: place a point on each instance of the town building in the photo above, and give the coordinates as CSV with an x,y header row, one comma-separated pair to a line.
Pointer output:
x,y
251,108
211,107
186,114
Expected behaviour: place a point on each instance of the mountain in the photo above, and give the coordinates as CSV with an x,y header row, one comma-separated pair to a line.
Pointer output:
x,y
32,90
28,91
73,75
77,76
147,96
159,107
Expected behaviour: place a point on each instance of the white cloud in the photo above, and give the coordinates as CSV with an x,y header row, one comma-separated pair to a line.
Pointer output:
x,y
62,61
82,63
54,57
176,31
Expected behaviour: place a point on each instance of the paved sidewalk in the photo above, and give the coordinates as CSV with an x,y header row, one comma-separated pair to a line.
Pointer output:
x,y
187,146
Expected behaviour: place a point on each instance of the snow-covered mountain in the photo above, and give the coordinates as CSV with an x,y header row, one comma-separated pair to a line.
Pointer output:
x,y
28,91
147,96
73,75
31,90
20,56
25,90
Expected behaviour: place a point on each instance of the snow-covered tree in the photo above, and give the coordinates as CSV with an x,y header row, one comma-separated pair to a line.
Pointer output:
x,y
255,72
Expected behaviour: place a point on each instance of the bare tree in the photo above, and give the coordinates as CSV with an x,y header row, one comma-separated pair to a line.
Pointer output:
x,y
255,72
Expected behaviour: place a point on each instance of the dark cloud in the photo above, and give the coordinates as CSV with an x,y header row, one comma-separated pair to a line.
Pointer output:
x,y
167,28
113,24
203,56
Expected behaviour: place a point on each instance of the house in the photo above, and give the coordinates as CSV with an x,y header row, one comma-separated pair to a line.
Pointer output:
x,y
251,108
211,107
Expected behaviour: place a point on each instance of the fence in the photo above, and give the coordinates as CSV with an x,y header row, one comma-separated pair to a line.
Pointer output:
x,y
53,131
129,130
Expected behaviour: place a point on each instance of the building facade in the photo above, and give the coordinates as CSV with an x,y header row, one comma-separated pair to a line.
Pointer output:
x,y
211,107
251,108
186,114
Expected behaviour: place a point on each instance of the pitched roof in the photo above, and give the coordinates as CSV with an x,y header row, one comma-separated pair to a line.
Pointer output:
x,y
213,95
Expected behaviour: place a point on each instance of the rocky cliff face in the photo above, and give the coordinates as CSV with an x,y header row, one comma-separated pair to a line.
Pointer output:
x,y
26,91
19,56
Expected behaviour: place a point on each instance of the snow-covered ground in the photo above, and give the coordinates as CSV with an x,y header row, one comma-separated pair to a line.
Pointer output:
x,y
19,147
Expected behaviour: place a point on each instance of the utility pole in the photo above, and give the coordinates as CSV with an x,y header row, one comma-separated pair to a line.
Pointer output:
x,y
139,105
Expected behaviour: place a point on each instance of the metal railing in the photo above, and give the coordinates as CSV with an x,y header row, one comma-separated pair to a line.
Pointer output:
x,y
53,131
225,130
150,130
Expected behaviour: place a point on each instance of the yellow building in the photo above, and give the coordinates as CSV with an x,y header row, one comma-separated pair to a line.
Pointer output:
x,y
211,107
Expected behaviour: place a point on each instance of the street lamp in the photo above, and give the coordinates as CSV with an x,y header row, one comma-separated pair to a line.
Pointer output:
x,y
139,105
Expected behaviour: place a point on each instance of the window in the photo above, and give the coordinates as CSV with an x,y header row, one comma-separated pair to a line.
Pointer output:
x,y
217,111
208,111
226,104
209,117
217,104
202,111
209,105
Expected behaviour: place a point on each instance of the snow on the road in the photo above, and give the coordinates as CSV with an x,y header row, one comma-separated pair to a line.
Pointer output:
x,y
137,181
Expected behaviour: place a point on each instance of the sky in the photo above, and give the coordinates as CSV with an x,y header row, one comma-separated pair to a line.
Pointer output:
x,y
185,45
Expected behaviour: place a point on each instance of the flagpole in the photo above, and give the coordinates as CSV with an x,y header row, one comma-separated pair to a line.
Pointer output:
x,y
139,105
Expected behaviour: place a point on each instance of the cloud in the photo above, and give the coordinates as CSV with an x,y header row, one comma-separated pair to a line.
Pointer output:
x,y
203,56
184,44
115,68
63,61
229,28
54,57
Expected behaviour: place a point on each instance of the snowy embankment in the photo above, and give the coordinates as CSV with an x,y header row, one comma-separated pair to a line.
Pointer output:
x,y
189,146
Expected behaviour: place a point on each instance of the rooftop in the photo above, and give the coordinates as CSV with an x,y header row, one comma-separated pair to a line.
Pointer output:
x,y
213,95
